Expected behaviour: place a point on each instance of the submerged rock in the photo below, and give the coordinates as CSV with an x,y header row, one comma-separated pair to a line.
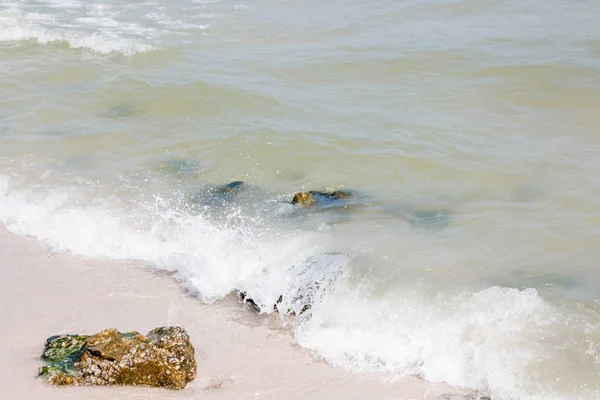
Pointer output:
x,y
231,189
434,219
311,281
162,358
180,166
314,279
307,199
219,195
248,301
121,111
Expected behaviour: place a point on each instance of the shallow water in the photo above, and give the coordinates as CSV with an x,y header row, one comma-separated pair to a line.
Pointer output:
x,y
468,131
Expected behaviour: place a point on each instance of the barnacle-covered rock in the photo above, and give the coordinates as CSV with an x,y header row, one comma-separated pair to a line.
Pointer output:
x,y
177,342
163,358
303,199
61,352
307,199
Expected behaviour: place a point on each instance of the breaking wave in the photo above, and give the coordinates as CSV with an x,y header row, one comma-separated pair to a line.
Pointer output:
x,y
100,26
503,342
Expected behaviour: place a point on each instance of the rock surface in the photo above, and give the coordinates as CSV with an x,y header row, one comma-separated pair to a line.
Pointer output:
x,y
312,280
218,195
162,358
307,199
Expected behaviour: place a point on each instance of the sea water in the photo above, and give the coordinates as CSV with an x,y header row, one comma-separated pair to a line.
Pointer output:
x,y
467,131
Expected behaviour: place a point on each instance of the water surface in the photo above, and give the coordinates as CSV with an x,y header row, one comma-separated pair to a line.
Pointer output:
x,y
468,131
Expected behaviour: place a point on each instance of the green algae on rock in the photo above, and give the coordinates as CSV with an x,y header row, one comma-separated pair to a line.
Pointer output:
x,y
163,358
61,352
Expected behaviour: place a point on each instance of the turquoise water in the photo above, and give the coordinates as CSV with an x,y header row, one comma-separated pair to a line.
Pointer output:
x,y
467,131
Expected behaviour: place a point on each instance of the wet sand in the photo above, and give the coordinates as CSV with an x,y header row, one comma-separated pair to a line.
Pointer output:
x,y
240,354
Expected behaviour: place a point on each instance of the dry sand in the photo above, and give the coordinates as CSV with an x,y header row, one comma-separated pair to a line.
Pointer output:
x,y
240,354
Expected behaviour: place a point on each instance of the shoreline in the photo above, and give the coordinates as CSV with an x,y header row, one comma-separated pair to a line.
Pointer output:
x,y
239,353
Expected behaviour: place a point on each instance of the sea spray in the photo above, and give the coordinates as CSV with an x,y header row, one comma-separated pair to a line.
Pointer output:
x,y
494,340
93,25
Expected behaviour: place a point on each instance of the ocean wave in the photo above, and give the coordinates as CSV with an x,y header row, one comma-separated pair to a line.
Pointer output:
x,y
505,343
100,26
495,341
100,43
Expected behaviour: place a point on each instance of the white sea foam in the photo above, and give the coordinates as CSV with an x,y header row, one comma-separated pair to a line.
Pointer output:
x,y
101,26
485,341
101,43
497,340
210,260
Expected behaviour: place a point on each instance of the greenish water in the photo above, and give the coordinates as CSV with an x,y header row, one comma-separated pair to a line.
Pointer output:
x,y
467,130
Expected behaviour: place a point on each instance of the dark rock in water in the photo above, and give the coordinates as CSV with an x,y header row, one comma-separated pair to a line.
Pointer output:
x,y
429,219
331,207
276,307
248,301
231,189
162,358
313,280
307,199
303,199
181,166
290,311
310,283
121,111
255,307
4,127
422,215
220,195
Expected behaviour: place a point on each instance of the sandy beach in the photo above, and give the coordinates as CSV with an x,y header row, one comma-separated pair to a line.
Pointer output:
x,y
239,354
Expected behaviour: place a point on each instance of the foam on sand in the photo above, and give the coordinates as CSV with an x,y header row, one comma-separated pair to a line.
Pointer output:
x,y
239,354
